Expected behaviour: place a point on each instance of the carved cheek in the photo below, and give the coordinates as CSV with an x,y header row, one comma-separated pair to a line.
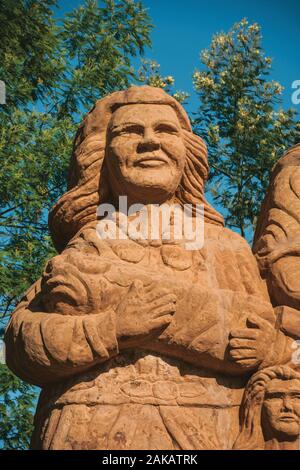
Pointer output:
x,y
271,408
295,401
174,146
123,148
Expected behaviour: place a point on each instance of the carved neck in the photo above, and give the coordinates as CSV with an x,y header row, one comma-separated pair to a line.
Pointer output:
x,y
171,199
274,444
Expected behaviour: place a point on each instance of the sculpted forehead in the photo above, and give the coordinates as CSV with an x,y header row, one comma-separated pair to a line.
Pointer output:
x,y
144,114
278,385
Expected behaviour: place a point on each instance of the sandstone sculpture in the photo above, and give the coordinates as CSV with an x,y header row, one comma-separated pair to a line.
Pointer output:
x,y
270,412
141,343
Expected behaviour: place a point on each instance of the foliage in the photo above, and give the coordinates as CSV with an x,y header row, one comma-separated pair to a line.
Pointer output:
x,y
240,118
149,74
17,402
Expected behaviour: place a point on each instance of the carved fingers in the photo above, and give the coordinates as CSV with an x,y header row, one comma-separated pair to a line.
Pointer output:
x,y
249,346
144,309
161,311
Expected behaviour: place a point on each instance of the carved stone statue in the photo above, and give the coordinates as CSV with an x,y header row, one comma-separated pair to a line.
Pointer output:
x,y
270,413
142,343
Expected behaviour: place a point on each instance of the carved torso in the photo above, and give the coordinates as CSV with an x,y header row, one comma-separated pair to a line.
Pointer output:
x,y
193,407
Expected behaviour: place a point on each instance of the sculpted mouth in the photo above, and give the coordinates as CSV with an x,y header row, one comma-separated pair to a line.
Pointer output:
x,y
287,418
151,160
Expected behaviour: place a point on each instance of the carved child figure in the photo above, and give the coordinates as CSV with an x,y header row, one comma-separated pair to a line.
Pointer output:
x,y
270,414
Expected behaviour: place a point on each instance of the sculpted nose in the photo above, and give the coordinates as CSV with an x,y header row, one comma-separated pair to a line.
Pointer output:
x,y
150,142
287,404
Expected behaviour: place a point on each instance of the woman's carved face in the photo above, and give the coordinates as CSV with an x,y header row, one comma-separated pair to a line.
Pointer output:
x,y
146,152
282,406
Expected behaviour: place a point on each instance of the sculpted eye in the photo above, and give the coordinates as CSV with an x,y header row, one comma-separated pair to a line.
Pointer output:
x,y
166,129
131,129
273,396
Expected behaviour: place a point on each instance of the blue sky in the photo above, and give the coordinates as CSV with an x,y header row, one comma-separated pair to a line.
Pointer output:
x,y
184,27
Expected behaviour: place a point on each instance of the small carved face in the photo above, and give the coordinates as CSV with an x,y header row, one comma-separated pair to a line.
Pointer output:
x,y
146,151
281,406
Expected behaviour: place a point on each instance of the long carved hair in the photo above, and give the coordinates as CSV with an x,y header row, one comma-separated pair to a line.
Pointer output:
x,y
279,220
277,237
251,433
88,183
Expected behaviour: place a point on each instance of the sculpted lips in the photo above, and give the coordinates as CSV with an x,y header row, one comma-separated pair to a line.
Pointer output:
x,y
288,418
151,159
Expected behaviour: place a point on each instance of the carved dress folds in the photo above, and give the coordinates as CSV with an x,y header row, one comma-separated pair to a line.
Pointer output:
x,y
177,391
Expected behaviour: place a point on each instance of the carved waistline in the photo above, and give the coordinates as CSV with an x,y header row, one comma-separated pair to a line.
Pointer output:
x,y
155,392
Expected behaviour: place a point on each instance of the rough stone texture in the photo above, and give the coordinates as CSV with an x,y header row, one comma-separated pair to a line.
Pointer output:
x,y
277,238
143,344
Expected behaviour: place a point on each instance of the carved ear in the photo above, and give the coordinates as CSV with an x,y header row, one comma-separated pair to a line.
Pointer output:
x,y
277,237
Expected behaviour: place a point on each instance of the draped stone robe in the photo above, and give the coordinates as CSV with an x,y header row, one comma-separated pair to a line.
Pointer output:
x,y
179,390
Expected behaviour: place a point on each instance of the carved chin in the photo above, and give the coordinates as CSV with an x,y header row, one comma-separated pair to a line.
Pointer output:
x,y
163,180
288,429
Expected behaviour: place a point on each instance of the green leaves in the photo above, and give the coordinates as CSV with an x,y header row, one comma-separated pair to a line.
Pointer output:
x,y
240,118
17,403
149,74
98,45
29,62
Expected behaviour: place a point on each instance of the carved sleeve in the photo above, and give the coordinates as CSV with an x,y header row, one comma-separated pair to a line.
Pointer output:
x,y
44,347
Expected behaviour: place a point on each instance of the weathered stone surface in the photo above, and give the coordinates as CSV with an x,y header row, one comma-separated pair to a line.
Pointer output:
x,y
143,343
270,411
277,238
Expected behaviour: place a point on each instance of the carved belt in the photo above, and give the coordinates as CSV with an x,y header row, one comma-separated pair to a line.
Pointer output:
x,y
154,392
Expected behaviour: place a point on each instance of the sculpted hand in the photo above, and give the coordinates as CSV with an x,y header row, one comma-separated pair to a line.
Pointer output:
x,y
250,346
144,310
